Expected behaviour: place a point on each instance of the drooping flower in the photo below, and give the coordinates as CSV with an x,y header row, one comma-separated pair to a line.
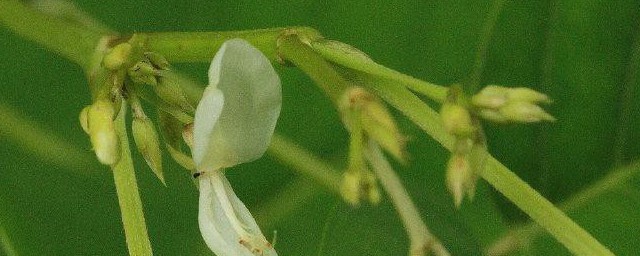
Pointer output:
x,y
233,124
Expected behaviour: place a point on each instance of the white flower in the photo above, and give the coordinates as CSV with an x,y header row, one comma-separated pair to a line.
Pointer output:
x,y
233,124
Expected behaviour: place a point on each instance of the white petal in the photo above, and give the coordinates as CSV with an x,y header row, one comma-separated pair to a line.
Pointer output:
x,y
206,116
252,100
225,223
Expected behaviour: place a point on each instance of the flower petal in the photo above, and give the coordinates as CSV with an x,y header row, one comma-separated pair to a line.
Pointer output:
x,y
206,116
225,222
252,101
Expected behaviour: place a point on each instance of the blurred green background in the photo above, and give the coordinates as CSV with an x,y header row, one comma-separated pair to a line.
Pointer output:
x,y
583,53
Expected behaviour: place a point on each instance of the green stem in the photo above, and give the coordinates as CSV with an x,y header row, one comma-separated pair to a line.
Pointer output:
x,y
292,49
567,232
518,237
202,46
71,40
344,56
124,176
304,162
422,241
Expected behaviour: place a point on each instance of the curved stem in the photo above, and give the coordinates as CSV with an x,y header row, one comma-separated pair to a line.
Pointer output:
x,y
344,55
71,40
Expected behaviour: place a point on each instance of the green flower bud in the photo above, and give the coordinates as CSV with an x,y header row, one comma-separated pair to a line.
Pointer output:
x,y
187,135
459,177
456,120
143,72
83,119
157,60
117,56
525,112
357,185
492,97
375,119
148,144
102,131
523,94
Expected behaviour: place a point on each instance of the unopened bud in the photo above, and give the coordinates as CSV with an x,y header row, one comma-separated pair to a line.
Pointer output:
x,y
118,55
157,60
102,131
169,90
375,119
143,72
358,185
83,119
148,144
187,135
491,97
456,120
525,112
528,95
459,177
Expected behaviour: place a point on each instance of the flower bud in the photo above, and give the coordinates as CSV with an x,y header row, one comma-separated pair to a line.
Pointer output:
x,y
83,119
102,131
357,185
117,57
187,135
491,97
523,94
456,120
157,60
375,119
459,176
525,112
148,144
143,72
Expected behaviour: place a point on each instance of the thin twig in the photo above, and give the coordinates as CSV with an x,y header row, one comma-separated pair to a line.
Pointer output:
x,y
422,241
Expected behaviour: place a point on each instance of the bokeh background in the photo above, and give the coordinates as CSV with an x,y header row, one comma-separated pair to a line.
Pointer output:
x,y
583,53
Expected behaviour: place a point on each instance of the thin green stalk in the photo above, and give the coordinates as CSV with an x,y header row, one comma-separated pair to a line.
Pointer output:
x,y
292,49
304,163
202,46
124,176
519,237
344,55
69,39
567,232
422,241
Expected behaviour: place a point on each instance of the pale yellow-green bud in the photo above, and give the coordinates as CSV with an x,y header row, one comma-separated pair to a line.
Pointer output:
x,y
525,112
492,115
523,94
83,119
375,119
148,144
491,97
117,56
102,131
350,187
157,60
143,72
456,120
187,135
358,185
169,90
458,176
